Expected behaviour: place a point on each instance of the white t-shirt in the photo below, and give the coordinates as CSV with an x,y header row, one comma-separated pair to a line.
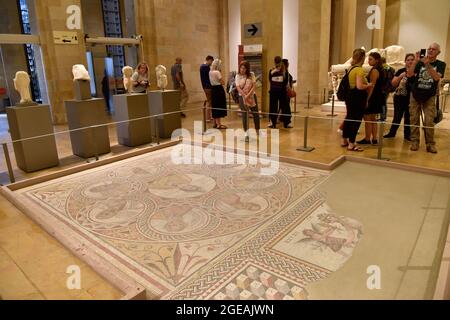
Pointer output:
x,y
214,77
138,78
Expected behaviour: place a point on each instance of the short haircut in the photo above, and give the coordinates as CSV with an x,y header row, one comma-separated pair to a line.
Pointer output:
x,y
358,56
208,58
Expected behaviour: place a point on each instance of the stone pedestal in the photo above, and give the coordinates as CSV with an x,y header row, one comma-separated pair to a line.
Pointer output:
x,y
28,122
82,90
128,107
160,102
88,142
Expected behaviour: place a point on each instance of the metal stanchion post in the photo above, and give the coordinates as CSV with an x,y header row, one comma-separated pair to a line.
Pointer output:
x,y
94,141
295,104
380,141
8,163
332,107
157,130
305,147
309,100
204,119
247,115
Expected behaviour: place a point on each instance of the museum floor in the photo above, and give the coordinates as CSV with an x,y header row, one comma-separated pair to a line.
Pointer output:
x,y
411,224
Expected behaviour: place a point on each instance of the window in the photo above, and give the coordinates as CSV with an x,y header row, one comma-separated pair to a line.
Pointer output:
x,y
113,29
29,51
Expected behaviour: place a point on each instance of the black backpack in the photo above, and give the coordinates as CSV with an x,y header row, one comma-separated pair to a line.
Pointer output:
x,y
344,87
388,75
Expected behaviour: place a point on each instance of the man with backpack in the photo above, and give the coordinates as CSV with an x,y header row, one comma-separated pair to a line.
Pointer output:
x,y
428,72
387,88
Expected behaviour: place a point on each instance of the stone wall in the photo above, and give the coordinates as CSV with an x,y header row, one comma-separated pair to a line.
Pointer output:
x,y
58,59
178,28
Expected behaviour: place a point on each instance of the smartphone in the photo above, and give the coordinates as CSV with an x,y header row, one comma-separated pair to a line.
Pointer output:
x,y
423,53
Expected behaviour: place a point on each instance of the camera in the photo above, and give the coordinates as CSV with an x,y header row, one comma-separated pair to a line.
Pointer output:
x,y
423,53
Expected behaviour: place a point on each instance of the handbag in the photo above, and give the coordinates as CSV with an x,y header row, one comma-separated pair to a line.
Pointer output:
x,y
291,92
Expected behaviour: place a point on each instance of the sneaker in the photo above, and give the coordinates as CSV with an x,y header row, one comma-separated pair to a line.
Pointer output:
x,y
415,147
431,149
389,136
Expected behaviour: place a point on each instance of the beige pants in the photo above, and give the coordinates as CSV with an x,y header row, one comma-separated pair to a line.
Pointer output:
x,y
429,110
184,98
208,103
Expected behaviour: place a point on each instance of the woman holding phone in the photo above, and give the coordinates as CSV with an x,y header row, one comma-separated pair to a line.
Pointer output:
x,y
140,79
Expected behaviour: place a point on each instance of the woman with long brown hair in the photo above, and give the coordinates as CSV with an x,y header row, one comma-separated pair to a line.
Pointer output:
x,y
375,99
246,85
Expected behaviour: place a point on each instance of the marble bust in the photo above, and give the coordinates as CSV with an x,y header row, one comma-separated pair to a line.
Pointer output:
x,y
22,85
80,73
127,74
161,77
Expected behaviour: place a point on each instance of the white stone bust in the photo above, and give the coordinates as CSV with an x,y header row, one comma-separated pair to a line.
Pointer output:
x,y
395,57
80,73
22,85
161,77
127,74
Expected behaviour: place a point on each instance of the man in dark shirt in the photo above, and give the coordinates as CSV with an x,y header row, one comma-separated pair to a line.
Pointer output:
x,y
178,83
428,71
206,84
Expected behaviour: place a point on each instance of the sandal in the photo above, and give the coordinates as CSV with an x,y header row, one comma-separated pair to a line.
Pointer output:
x,y
364,141
222,127
344,145
355,149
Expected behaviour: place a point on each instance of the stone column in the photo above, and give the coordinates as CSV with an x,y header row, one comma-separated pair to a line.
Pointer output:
x,y
391,24
314,47
58,59
270,14
378,34
224,50
179,28
348,17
